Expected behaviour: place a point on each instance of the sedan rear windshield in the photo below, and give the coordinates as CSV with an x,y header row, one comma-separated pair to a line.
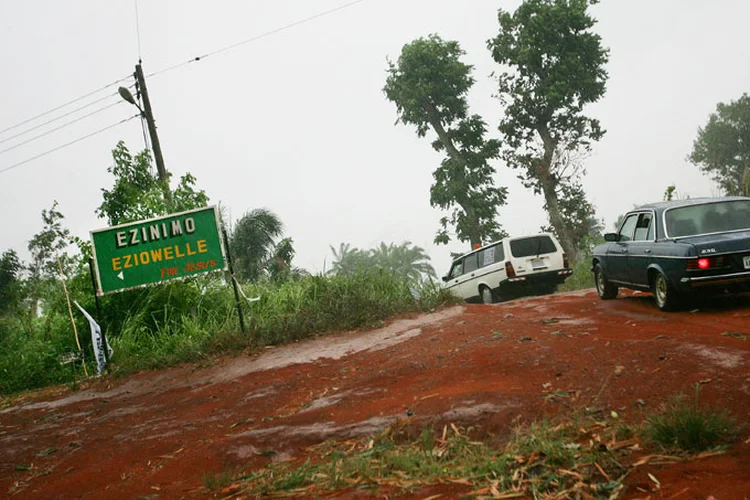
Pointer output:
x,y
708,218
534,245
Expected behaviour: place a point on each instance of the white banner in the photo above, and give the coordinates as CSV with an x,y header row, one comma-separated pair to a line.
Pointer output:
x,y
96,339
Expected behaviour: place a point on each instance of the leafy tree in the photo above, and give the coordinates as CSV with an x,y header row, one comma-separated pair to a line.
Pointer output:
x,y
255,250
579,215
49,244
10,277
429,85
280,266
137,193
555,68
722,148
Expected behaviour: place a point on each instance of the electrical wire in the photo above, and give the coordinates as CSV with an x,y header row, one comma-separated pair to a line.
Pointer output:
x,y
11,167
65,105
60,127
57,118
258,37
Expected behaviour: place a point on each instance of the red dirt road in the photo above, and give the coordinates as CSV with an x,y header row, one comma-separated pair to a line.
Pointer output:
x,y
160,434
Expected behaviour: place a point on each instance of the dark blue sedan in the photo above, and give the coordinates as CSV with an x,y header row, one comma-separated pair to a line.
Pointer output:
x,y
677,248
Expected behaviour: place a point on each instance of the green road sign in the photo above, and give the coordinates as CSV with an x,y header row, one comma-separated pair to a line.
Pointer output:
x,y
157,250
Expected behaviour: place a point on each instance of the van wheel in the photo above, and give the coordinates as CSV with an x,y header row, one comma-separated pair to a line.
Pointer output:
x,y
486,295
665,295
604,288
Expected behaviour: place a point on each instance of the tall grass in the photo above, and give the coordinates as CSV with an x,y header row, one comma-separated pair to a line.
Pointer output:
x,y
190,320
581,278
681,424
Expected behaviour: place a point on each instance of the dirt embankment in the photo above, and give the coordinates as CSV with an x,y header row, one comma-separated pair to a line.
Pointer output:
x,y
160,434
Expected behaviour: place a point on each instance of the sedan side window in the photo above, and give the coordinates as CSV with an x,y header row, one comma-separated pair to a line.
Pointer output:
x,y
628,227
644,230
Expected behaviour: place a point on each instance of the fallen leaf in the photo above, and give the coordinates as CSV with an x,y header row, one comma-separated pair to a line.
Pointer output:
x,y
736,335
656,481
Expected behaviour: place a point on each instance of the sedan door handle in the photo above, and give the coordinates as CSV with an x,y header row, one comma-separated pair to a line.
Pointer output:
x,y
647,250
624,250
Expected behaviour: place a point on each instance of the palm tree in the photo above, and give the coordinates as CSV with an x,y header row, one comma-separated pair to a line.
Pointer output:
x,y
253,243
403,260
406,260
348,260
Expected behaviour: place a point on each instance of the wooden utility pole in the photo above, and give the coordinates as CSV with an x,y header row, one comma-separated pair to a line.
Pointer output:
x,y
149,115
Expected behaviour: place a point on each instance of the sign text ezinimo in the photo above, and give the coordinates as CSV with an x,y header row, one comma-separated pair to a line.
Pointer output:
x,y
156,250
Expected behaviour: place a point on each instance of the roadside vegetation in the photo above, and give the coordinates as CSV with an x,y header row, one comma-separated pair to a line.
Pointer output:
x,y
44,340
575,458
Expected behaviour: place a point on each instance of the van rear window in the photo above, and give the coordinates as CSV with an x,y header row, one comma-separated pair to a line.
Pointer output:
x,y
533,245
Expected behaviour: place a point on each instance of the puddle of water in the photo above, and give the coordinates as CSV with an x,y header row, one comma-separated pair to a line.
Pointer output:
x,y
333,347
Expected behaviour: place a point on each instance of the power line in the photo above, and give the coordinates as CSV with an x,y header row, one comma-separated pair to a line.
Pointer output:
x,y
64,105
60,127
3,170
35,127
258,37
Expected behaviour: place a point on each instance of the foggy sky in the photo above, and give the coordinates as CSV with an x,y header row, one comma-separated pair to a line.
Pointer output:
x,y
297,122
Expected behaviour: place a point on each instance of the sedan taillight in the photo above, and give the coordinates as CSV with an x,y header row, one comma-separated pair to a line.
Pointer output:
x,y
704,263
509,271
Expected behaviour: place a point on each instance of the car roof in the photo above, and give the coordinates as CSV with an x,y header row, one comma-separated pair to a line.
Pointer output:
x,y
663,205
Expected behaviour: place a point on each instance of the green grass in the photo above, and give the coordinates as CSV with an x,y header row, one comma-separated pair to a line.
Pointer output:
x,y
580,457
582,277
536,462
684,425
190,321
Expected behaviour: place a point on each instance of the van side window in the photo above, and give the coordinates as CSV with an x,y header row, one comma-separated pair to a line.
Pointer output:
x,y
456,270
470,263
491,255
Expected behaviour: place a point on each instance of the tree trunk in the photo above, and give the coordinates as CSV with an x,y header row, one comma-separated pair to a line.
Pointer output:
x,y
549,189
437,125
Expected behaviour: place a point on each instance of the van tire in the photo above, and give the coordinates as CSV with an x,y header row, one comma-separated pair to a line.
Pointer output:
x,y
486,295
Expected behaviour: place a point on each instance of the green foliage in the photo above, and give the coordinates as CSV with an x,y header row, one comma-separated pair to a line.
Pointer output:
x,y
255,252
405,260
722,148
429,85
10,276
49,244
685,425
555,67
535,463
138,194
581,279
579,216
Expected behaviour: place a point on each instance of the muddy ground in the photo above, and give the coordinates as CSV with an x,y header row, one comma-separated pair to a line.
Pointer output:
x,y
161,434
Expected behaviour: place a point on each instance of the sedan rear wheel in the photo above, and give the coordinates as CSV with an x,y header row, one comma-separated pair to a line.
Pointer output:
x,y
604,288
667,298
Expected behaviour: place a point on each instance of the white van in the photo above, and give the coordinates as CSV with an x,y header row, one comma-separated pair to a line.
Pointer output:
x,y
509,268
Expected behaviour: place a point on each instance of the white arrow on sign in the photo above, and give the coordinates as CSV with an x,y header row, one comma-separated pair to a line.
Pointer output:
x,y
121,276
